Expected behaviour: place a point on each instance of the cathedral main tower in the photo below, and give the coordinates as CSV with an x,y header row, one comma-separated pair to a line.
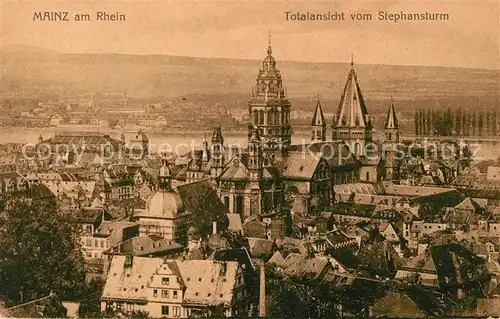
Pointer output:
x,y
269,108
352,123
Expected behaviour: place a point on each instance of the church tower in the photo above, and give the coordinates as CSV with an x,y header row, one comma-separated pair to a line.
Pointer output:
x,y
269,108
217,155
390,143
255,171
318,124
352,123
205,156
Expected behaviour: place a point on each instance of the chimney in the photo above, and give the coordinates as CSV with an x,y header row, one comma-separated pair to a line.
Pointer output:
x,y
214,228
262,291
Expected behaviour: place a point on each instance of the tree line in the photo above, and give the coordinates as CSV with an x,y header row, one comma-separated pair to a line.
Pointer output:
x,y
461,122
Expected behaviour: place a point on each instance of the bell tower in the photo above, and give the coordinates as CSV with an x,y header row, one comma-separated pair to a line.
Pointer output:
x,y
205,151
269,108
255,171
318,124
217,154
352,123
391,141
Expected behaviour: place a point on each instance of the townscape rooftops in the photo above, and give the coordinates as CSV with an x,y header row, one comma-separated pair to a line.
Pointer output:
x,y
108,227
411,191
148,245
277,259
83,138
299,265
235,224
300,165
335,152
422,261
469,205
260,247
235,172
208,283
201,200
130,283
358,188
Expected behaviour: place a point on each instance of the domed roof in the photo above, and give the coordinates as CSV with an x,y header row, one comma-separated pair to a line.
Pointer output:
x,y
163,204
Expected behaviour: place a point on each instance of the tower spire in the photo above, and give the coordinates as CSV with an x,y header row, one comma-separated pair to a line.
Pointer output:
x,y
352,60
391,121
318,124
269,50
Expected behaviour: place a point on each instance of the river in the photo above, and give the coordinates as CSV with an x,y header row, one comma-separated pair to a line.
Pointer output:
x,y
179,141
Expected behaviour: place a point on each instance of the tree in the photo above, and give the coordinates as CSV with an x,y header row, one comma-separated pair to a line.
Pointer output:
x,y
480,124
458,122
466,157
40,251
299,297
139,314
90,306
494,123
417,123
474,124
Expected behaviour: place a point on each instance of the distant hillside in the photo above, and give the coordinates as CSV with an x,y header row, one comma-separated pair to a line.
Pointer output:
x,y
205,84
36,71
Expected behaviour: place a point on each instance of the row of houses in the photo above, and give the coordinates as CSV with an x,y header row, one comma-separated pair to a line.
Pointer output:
x,y
118,119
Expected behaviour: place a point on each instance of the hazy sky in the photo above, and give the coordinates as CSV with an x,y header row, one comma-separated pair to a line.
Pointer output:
x,y
240,30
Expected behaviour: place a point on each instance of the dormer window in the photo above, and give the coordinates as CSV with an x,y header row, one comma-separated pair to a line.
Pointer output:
x,y
165,281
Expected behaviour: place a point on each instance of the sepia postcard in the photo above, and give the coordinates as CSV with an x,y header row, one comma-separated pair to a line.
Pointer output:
x,y
250,159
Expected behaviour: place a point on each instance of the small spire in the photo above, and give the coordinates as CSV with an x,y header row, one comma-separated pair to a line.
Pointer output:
x,y
352,59
318,117
269,50
391,121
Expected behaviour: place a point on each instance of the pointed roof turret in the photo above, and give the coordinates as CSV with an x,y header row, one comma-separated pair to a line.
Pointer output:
x,y
217,137
352,110
318,118
269,64
391,121
269,50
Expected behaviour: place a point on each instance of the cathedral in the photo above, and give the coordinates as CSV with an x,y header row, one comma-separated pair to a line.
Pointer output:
x,y
272,173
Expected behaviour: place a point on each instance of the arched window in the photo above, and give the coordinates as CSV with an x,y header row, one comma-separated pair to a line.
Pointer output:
x,y
261,117
367,176
357,149
239,205
255,117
